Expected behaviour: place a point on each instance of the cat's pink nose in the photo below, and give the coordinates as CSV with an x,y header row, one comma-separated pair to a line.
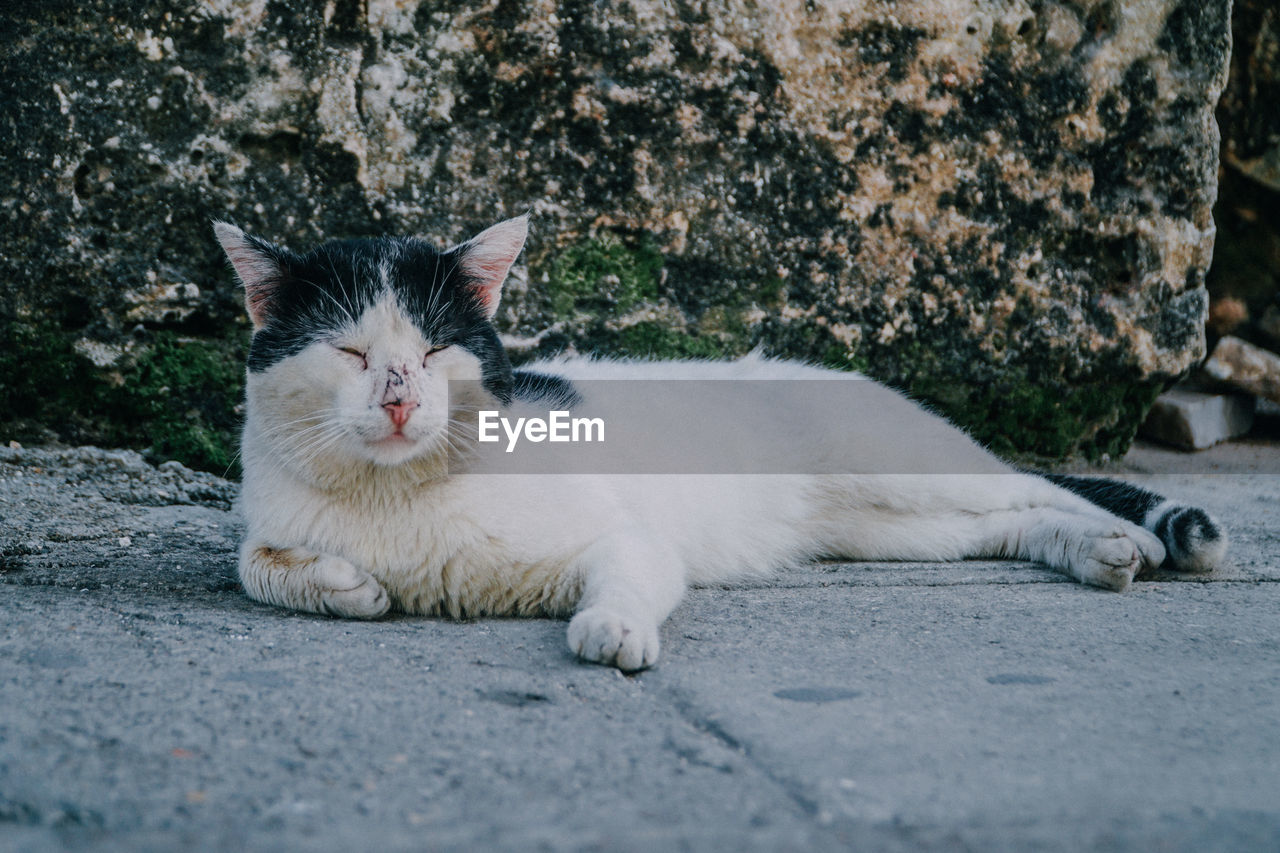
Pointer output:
x,y
399,411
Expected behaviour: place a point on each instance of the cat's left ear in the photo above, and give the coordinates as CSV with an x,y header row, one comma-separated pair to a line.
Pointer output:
x,y
486,259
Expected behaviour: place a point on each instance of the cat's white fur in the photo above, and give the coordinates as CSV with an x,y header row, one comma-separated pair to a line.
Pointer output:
x,y
346,516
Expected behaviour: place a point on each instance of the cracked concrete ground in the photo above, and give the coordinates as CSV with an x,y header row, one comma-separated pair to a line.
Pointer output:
x,y
145,703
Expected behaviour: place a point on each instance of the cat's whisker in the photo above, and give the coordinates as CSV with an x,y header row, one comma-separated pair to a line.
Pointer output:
x,y
311,441
292,433
322,416
312,415
293,424
333,269
232,464
311,451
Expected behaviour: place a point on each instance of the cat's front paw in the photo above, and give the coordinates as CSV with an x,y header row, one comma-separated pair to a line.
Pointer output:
x,y
347,591
600,635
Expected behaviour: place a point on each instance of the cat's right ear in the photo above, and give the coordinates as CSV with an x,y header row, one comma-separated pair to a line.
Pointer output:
x,y
258,264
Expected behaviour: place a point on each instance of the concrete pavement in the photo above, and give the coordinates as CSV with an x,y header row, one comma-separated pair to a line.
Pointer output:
x,y
145,703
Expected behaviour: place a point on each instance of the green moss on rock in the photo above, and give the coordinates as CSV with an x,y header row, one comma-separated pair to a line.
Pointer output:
x,y
169,396
652,339
187,393
603,273
838,357
1017,417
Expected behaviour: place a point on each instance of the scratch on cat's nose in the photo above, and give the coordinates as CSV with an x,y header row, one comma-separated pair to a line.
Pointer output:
x,y
398,398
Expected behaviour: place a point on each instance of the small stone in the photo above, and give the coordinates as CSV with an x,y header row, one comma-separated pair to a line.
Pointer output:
x,y
1246,367
125,541
1227,314
1194,420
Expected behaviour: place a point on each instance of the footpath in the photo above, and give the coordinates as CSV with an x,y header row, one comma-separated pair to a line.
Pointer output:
x,y
146,704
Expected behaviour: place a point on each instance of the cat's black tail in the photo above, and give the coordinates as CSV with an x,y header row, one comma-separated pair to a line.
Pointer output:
x,y
1193,541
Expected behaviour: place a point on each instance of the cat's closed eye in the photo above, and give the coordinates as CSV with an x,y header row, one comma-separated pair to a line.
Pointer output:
x,y
432,352
352,351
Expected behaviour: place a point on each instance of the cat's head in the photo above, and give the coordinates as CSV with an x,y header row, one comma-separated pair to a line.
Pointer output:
x,y
355,341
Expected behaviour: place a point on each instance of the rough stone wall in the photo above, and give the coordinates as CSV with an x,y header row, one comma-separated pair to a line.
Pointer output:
x,y
1001,206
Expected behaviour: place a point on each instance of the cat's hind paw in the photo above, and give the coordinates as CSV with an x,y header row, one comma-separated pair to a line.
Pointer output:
x,y
347,591
1110,558
600,635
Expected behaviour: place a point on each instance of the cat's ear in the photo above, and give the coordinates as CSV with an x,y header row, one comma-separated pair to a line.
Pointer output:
x,y
258,264
486,259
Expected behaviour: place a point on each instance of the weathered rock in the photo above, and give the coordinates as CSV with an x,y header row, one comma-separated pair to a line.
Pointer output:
x,y
1194,420
1244,366
1001,207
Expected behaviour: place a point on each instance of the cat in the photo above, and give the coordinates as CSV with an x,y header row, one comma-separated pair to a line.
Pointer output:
x,y
352,508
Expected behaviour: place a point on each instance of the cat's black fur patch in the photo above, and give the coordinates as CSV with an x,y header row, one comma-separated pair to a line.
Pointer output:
x,y
534,387
1127,501
321,291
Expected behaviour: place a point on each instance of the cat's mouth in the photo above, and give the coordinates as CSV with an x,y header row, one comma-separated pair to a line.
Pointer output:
x,y
392,449
395,439
399,443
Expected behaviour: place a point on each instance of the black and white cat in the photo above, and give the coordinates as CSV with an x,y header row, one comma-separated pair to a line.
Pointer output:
x,y
352,508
